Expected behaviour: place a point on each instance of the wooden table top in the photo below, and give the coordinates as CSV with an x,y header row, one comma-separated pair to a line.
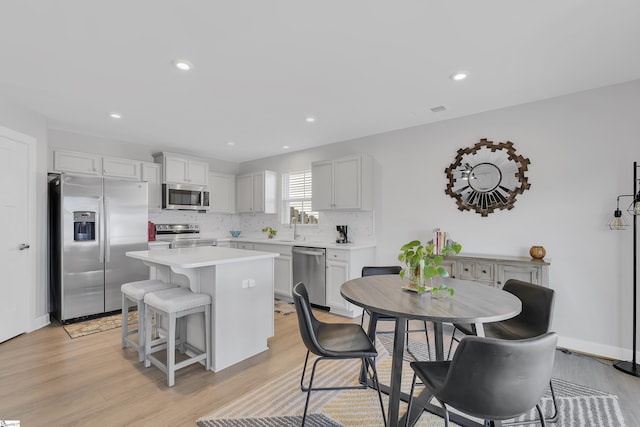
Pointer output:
x,y
471,303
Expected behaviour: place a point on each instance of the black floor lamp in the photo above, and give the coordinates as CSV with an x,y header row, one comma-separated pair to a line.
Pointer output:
x,y
619,223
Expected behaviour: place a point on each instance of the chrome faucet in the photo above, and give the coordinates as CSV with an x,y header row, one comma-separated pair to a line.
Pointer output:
x,y
294,221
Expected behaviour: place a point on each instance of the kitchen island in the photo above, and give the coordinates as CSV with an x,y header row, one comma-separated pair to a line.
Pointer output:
x,y
240,283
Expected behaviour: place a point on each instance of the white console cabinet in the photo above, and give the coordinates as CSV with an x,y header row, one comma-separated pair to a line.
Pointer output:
x,y
343,184
496,270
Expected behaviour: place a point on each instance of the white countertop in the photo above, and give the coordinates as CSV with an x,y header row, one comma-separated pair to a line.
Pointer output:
x,y
308,243
204,256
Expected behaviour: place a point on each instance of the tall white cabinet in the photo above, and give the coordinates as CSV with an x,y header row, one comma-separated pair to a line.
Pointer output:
x,y
257,192
151,174
343,184
222,192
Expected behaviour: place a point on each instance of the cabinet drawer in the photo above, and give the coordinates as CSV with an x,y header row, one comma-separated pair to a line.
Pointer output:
x,y
483,272
244,245
466,271
337,255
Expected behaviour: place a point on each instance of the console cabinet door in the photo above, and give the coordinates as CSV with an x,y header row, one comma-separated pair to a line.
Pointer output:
x,y
525,273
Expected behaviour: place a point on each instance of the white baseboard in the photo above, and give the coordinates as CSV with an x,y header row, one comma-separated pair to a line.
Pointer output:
x,y
39,322
596,349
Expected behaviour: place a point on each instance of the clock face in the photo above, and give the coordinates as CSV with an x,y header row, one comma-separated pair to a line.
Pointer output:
x,y
487,177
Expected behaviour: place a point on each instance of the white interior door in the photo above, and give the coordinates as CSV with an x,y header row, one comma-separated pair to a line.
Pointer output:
x,y
15,256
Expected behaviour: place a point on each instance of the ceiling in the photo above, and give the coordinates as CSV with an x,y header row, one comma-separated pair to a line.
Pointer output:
x,y
360,67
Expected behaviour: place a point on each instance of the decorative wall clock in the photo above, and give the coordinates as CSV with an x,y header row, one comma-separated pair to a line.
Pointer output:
x,y
487,177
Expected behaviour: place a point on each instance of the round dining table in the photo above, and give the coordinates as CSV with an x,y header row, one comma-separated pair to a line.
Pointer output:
x,y
387,295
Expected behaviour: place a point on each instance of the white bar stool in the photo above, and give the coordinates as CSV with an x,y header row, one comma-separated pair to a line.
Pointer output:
x,y
177,303
135,292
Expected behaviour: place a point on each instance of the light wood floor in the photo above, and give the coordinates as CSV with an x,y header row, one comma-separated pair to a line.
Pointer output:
x,y
48,379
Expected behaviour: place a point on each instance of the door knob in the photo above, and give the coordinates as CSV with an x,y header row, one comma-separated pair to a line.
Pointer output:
x,y
23,246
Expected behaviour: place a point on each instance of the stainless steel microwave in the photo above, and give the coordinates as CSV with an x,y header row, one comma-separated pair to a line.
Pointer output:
x,y
185,197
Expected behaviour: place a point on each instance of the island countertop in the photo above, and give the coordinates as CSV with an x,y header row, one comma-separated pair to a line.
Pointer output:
x,y
205,256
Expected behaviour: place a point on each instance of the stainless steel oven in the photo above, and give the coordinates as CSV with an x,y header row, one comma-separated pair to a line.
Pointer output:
x,y
185,197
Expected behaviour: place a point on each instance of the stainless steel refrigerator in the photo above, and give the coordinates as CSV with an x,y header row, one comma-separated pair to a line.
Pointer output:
x,y
93,221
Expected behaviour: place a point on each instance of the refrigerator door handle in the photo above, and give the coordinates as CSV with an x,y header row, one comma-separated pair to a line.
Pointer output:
x,y
99,231
107,231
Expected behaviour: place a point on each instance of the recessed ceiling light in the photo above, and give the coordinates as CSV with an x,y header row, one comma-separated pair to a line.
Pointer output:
x,y
231,143
286,147
438,109
183,65
459,75
310,119
115,115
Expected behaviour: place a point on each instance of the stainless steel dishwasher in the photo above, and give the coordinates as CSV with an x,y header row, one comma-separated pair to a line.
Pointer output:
x,y
309,268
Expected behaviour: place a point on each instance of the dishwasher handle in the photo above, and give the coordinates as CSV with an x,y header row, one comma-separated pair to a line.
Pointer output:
x,y
307,252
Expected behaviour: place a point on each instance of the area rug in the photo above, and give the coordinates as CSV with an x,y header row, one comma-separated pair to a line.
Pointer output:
x,y
101,324
284,308
281,403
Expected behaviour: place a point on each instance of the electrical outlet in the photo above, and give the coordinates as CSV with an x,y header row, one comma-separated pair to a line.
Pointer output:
x,y
252,283
245,283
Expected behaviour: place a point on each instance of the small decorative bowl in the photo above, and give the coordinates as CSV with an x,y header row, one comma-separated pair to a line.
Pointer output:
x,y
235,233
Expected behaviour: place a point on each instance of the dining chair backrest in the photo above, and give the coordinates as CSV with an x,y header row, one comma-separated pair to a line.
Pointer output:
x,y
378,270
537,309
498,379
307,322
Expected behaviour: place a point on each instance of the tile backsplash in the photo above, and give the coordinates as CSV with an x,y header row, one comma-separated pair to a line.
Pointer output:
x,y
361,224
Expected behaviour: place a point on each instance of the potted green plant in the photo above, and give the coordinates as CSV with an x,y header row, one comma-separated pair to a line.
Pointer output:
x,y
271,232
422,264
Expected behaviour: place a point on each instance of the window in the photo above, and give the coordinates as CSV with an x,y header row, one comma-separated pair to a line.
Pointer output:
x,y
296,197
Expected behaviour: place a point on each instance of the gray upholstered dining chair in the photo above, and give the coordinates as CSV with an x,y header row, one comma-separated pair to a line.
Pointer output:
x,y
374,317
534,320
489,378
332,341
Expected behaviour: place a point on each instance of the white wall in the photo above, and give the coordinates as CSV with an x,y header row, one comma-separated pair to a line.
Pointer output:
x,y
581,148
17,118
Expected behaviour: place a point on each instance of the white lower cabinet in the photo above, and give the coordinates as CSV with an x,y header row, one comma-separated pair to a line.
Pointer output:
x,y
282,268
343,265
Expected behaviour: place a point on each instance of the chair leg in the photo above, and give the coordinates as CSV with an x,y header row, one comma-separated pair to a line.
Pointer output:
x,y
377,384
304,369
147,341
543,423
413,387
426,332
554,417
171,350
446,413
125,327
453,338
141,330
306,405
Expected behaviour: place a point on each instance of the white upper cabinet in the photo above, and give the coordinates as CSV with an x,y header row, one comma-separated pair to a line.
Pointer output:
x,y
178,169
257,192
121,168
151,174
73,162
222,192
343,184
